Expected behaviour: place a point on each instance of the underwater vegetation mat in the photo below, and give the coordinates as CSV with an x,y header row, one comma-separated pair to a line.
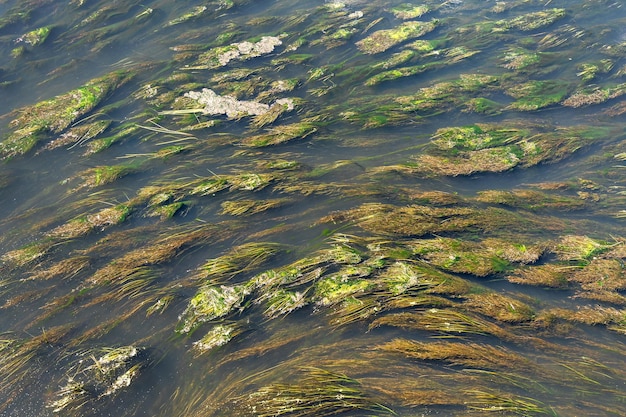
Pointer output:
x,y
312,208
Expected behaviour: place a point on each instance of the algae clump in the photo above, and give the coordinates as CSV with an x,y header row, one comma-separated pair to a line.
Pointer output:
x,y
382,40
33,123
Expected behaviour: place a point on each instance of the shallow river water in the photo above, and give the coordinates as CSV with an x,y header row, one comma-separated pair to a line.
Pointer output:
x,y
312,208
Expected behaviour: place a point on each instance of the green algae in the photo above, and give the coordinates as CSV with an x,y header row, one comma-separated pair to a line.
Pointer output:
x,y
397,73
536,20
112,370
532,200
216,337
520,59
414,247
210,303
490,148
251,207
382,40
594,95
460,257
195,13
335,289
37,36
281,134
282,302
319,393
535,95
33,123
407,11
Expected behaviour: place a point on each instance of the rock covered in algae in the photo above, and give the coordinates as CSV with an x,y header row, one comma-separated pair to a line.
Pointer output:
x,y
382,40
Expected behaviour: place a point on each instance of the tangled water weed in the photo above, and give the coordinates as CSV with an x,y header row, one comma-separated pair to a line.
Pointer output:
x,y
312,208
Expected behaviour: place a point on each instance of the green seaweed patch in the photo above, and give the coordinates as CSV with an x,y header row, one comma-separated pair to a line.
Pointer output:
x,y
579,248
442,96
498,159
166,211
536,20
549,275
210,303
337,38
484,106
382,40
335,289
242,51
210,186
491,148
28,253
37,36
193,14
218,336
280,165
108,371
250,207
396,59
519,59
499,306
458,256
594,95
33,123
535,95
240,259
408,11
600,276
79,135
99,221
531,200
102,175
403,277
234,182
416,220
280,134
397,73
319,393
282,302
476,137
587,71
292,59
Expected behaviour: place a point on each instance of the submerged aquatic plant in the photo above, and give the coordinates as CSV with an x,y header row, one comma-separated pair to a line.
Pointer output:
x,y
319,393
382,40
105,372
211,302
33,123
342,130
